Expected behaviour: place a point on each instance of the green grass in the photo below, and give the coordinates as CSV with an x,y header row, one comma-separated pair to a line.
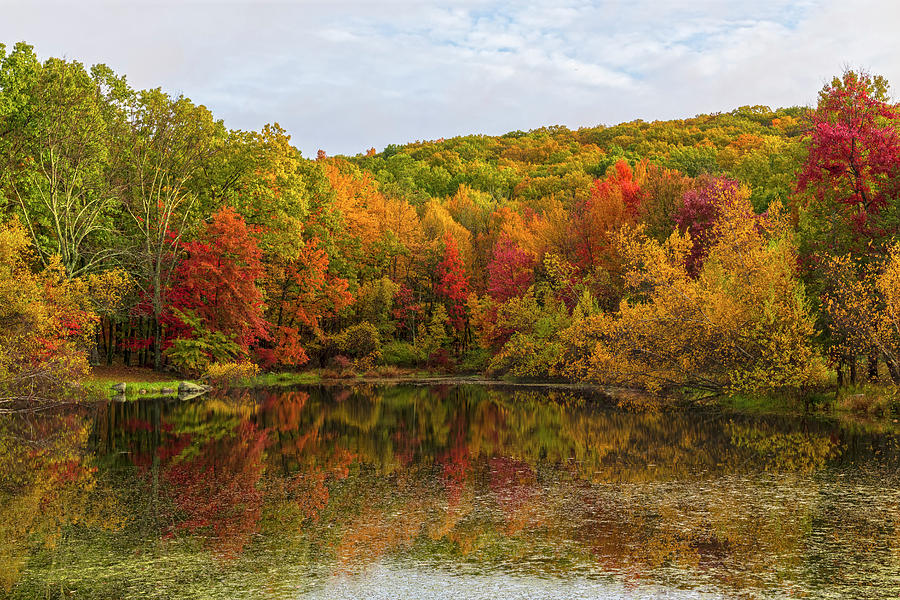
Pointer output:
x,y
315,376
757,404
869,400
281,379
103,385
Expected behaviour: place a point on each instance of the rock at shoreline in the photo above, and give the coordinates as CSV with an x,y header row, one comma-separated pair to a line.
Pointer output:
x,y
186,388
119,387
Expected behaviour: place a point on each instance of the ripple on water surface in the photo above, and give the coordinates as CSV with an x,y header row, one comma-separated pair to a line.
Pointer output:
x,y
446,492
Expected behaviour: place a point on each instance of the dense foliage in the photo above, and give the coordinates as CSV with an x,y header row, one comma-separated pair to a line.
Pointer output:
x,y
737,251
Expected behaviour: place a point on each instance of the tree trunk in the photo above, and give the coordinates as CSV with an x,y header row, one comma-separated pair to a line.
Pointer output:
x,y
854,379
873,368
157,331
157,346
893,370
111,346
126,350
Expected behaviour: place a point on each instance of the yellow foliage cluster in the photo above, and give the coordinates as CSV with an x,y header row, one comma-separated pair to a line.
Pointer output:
x,y
380,223
742,325
230,372
47,322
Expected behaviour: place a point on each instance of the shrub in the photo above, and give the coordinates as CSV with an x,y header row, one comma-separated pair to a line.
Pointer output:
x,y
527,356
476,360
359,341
342,362
441,359
400,354
228,373
194,355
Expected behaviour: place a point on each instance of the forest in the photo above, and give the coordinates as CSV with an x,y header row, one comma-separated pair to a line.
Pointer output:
x,y
743,252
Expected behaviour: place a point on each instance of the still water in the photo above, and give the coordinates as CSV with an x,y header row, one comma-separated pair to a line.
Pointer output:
x,y
443,492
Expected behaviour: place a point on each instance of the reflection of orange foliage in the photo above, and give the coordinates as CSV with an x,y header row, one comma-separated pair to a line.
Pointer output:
x,y
309,486
374,534
283,409
318,462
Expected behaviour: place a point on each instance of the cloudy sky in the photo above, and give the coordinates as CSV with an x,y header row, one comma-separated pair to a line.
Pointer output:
x,y
346,76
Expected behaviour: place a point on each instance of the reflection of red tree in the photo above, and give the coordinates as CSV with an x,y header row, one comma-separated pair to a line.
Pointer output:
x,y
217,491
406,443
142,453
455,461
512,483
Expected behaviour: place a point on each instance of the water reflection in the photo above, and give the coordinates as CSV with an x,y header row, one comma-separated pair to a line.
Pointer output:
x,y
443,492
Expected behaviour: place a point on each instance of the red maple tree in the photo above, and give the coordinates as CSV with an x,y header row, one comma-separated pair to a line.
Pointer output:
x,y
510,271
218,279
452,283
854,148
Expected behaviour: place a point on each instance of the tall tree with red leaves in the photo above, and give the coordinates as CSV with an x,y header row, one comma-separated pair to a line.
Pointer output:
x,y
218,280
452,284
854,149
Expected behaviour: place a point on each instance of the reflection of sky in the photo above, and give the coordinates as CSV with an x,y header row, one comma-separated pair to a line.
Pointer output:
x,y
397,583
345,76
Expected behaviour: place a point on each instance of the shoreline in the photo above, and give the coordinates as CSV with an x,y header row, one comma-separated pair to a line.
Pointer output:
x,y
146,383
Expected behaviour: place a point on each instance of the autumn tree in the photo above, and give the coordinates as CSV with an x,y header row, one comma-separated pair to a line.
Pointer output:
x,y
742,324
862,310
218,283
663,192
172,139
452,284
510,271
615,202
854,150
847,210
46,327
302,293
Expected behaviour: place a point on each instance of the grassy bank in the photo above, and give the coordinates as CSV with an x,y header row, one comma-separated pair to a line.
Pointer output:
x,y
138,381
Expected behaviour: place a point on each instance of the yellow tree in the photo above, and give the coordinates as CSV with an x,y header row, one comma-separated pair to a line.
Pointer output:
x,y
47,324
382,233
742,325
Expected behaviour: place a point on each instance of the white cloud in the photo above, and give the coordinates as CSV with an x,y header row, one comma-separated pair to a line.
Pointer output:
x,y
345,76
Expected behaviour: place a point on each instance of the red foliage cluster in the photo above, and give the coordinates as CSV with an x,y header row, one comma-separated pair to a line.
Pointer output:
x,y
218,279
511,270
854,149
698,213
452,284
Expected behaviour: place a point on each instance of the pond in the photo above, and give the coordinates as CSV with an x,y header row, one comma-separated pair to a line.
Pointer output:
x,y
444,492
